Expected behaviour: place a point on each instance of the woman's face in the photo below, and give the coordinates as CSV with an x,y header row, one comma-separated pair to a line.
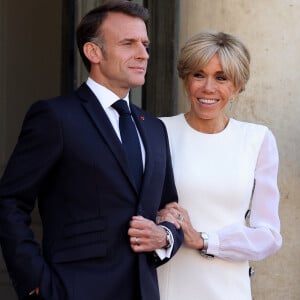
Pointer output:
x,y
209,91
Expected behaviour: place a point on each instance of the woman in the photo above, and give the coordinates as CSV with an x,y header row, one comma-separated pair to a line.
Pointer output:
x,y
220,164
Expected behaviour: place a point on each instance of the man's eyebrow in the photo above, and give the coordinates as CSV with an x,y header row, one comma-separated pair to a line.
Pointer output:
x,y
128,40
133,40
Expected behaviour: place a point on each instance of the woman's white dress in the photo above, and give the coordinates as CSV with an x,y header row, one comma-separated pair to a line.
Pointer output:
x,y
214,175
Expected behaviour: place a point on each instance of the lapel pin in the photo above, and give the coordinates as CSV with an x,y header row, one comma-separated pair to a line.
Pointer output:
x,y
142,118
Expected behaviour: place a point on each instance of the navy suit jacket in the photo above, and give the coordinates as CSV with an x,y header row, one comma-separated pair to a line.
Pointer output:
x,y
69,158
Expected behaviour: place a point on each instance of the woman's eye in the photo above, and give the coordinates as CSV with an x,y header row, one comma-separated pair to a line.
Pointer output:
x,y
221,78
198,75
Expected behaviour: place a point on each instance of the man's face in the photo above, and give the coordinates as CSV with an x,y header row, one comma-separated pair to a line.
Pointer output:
x,y
124,61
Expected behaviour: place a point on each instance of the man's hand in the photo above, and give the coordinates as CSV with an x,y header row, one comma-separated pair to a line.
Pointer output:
x,y
145,235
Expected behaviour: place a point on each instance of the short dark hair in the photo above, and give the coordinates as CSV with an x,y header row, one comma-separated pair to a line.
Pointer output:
x,y
89,28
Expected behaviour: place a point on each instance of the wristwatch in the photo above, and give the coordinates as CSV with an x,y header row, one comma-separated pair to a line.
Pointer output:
x,y
168,238
203,251
204,237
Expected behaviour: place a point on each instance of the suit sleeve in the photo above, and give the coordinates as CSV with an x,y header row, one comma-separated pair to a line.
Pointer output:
x,y
37,150
170,195
169,191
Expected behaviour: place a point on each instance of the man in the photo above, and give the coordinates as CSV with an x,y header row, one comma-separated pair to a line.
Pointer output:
x,y
100,240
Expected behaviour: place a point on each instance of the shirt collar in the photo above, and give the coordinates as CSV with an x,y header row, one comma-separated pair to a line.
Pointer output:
x,y
105,96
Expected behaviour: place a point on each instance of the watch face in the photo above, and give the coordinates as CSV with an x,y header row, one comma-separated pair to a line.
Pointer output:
x,y
204,236
168,238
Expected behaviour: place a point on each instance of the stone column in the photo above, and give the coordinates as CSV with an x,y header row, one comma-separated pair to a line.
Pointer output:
x,y
160,90
3,77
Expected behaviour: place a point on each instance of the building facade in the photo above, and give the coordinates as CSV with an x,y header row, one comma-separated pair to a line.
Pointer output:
x,y
38,59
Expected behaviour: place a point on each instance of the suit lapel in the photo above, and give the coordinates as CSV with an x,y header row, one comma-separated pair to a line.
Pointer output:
x,y
99,118
141,123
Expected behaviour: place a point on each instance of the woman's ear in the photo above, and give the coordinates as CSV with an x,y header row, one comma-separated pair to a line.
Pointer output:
x,y
92,52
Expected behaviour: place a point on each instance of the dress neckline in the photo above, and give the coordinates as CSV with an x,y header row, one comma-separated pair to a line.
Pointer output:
x,y
225,130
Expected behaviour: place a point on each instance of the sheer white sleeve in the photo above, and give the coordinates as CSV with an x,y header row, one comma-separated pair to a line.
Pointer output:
x,y
261,238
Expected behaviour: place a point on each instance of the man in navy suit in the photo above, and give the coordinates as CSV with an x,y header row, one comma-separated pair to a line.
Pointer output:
x,y
100,239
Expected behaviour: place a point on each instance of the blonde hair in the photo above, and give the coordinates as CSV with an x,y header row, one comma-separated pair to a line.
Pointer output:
x,y
233,54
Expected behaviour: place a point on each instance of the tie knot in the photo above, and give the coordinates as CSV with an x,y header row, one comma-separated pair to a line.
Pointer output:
x,y
121,107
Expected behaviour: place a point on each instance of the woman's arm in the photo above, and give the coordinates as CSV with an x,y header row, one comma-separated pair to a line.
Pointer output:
x,y
238,242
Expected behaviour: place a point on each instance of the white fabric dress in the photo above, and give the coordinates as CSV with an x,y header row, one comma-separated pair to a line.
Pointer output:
x,y
214,175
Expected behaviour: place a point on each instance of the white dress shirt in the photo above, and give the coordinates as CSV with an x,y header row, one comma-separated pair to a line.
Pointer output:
x,y
106,98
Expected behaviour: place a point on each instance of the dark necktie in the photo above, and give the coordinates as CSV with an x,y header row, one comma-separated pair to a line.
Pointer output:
x,y
130,141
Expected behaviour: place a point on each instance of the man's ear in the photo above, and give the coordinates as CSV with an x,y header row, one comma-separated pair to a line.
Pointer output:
x,y
92,52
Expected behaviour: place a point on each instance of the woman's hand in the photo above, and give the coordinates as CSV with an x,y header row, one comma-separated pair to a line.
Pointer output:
x,y
179,216
169,215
